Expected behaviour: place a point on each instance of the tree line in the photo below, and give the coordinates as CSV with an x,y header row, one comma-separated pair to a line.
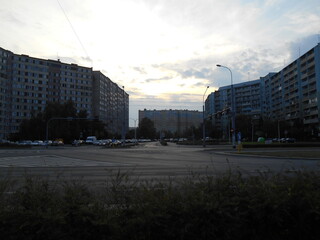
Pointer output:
x,y
72,125
78,126
251,129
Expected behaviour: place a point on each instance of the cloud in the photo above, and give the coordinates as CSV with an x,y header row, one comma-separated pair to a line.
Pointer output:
x,y
302,45
141,70
158,79
165,50
11,18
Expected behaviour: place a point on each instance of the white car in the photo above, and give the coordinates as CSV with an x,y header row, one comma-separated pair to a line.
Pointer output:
x,y
91,139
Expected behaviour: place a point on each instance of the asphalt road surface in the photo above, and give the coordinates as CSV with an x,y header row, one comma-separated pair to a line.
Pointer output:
x,y
95,165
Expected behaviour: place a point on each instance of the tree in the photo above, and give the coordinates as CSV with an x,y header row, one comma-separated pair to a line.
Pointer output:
x,y
244,125
35,128
147,129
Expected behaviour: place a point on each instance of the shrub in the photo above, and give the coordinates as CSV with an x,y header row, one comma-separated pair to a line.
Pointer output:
x,y
232,206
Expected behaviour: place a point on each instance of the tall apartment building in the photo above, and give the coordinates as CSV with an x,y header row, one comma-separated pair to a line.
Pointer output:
x,y
174,121
111,103
295,91
28,84
289,95
248,101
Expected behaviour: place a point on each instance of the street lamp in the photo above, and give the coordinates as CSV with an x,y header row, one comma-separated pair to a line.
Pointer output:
x,y
124,118
203,120
233,109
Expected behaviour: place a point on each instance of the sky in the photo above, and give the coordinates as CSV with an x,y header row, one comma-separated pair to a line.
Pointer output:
x,y
164,52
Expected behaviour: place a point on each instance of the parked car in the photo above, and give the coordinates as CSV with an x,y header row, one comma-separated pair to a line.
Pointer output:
x,y
91,139
25,143
104,142
115,143
76,143
290,140
58,142
37,143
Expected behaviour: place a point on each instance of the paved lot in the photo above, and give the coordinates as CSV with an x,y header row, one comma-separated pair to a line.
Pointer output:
x,y
146,161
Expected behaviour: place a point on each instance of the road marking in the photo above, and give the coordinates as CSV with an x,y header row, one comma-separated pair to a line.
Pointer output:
x,y
51,161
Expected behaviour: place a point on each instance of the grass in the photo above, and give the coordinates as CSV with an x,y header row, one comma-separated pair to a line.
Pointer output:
x,y
280,145
232,206
289,154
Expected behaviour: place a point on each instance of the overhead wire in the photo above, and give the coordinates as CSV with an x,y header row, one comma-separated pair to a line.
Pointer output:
x,y
75,33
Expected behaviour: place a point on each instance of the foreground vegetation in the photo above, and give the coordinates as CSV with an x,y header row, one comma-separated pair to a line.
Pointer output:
x,y
267,206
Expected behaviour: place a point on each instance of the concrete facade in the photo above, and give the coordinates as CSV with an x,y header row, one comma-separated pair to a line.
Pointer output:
x,y
28,84
174,121
289,95
111,104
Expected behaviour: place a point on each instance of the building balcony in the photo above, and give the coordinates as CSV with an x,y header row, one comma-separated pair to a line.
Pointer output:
x,y
306,99
291,117
310,121
311,72
310,113
312,80
309,89
310,105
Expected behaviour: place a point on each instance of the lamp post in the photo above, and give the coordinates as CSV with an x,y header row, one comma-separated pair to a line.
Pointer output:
x,y
124,118
203,121
233,109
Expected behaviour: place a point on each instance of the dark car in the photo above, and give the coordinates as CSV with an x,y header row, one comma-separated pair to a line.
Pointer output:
x,y
290,140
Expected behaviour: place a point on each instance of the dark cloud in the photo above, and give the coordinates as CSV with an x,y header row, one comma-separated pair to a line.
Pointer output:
x,y
185,69
87,59
158,79
140,70
203,73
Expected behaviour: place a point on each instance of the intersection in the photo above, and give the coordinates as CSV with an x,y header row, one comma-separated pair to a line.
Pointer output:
x,y
95,165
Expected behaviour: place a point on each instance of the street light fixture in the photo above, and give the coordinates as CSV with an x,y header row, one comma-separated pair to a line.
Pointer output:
x,y
233,109
203,121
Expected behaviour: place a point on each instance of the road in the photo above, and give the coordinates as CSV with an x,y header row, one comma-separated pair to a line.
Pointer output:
x,y
94,165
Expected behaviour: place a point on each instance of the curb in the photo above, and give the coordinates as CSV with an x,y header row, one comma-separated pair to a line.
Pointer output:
x,y
264,156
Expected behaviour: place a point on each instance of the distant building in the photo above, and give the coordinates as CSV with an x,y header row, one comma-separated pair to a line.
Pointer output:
x,y
248,101
289,95
174,121
27,84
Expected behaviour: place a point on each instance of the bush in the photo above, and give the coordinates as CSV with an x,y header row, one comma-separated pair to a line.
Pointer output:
x,y
232,206
163,143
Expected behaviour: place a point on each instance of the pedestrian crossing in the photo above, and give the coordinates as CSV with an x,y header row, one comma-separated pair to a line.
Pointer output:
x,y
50,161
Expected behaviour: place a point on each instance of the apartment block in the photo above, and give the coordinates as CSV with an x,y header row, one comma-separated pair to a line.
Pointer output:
x,y
248,101
290,95
28,84
111,103
295,91
174,121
